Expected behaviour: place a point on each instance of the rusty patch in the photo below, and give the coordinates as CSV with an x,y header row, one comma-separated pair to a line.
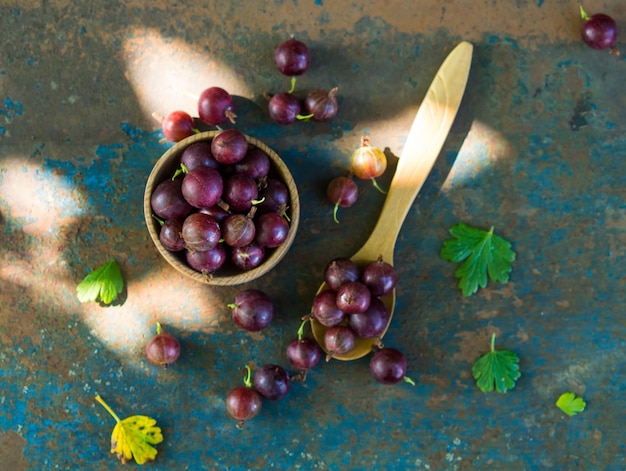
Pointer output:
x,y
12,446
474,344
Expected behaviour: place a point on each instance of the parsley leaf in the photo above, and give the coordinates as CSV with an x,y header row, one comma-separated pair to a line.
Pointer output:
x,y
570,404
498,369
482,253
105,282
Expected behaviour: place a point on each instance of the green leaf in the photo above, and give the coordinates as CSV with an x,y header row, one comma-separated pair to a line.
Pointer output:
x,y
105,282
483,254
497,370
570,404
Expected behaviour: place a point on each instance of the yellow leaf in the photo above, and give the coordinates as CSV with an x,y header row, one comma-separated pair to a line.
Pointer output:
x,y
133,437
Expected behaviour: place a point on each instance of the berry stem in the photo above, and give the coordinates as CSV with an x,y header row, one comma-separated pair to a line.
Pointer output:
x,y
377,186
179,171
583,13
409,380
335,213
158,117
293,85
106,406
232,117
190,94
301,328
247,380
158,328
493,342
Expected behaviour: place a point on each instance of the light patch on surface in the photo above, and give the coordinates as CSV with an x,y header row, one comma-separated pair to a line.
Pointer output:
x,y
127,328
482,148
48,207
39,202
169,74
121,332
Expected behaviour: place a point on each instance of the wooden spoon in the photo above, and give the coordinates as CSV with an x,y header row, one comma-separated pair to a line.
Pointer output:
x,y
423,145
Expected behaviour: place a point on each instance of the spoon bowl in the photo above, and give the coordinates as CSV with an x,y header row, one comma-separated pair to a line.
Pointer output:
x,y
426,137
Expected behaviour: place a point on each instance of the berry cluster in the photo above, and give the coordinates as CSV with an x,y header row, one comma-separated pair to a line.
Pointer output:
x,y
292,58
226,206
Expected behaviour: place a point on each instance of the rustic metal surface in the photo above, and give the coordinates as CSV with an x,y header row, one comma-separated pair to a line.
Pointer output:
x,y
537,151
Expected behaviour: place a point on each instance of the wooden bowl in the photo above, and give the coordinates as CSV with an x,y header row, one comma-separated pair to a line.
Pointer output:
x,y
227,275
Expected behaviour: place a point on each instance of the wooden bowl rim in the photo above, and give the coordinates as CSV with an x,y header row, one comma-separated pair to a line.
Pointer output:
x,y
277,254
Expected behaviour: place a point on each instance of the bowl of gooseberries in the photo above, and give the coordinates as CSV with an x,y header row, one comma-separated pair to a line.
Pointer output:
x,y
221,207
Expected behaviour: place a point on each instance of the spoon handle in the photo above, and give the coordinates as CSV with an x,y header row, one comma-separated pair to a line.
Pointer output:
x,y
426,137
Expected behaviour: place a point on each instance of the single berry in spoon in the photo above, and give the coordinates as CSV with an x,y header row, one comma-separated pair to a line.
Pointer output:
x,y
339,271
380,277
353,297
339,340
325,309
372,323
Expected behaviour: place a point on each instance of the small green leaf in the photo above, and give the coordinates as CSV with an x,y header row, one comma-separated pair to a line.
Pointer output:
x,y
104,283
570,404
484,255
497,370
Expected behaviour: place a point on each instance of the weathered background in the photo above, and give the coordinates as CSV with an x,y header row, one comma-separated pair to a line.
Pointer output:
x,y
537,151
